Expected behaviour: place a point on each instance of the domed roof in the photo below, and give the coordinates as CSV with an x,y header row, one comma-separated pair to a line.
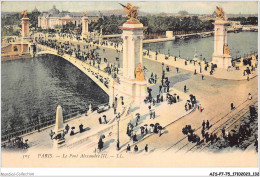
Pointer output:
x,y
54,10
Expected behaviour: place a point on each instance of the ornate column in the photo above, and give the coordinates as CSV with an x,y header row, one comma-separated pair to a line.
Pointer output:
x,y
84,25
25,32
132,47
221,55
133,83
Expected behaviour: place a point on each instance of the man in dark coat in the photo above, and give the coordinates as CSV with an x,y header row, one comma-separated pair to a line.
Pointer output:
x,y
203,124
207,124
128,148
81,128
146,148
136,148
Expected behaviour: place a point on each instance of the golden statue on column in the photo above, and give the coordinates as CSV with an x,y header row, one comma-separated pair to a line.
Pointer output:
x,y
24,13
85,14
139,73
131,12
220,13
226,50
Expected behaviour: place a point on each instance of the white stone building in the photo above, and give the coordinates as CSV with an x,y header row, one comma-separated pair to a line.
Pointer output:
x,y
52,18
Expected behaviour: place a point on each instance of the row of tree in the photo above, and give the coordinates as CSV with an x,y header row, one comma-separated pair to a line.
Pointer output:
x,y
156,24
245,21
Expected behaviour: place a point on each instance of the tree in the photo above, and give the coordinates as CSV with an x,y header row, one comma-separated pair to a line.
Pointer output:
x,y
183,13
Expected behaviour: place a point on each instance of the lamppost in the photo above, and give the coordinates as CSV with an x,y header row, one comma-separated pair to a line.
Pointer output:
x,y
118,143
38,123
179,53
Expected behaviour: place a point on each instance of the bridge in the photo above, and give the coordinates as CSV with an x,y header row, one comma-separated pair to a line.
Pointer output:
x,y
100,77
202,34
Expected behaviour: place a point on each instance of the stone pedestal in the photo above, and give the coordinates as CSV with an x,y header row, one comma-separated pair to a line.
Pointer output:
x,y
223,61
84,27
220,39
135,90
169,34
25,29
59,132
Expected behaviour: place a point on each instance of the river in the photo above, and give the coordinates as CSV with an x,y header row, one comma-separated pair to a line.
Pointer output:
x,y
33,88
239,44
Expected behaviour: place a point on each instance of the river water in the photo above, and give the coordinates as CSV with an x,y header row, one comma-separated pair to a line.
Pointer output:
x,y
33,88
239,44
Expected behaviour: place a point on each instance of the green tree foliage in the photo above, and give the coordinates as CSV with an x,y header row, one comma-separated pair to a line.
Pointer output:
x,y
109,24
156,24
245,21
34,18
68,28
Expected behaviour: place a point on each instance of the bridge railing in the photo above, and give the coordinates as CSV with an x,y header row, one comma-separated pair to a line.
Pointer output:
x,y
33,127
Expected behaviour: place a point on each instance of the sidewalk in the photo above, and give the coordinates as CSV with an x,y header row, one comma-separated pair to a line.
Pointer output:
x,y
219,73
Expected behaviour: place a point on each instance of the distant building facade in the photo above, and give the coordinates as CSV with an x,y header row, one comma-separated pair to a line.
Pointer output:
x,y
53,18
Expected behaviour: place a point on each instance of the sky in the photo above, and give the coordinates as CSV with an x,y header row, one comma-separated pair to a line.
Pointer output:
x,y
200,7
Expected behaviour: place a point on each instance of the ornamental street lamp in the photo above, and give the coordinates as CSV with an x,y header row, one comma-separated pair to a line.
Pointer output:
x,y
118,143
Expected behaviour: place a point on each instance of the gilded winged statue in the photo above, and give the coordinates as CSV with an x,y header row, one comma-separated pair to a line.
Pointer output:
x,y
85,14
24,13
220,13
131,11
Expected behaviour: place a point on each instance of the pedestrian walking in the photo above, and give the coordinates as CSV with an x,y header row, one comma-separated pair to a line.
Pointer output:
x,y
128,148
146,148
249,96
100,121
203,124
136,148
146,131
151,114
207,124
232,106
105,119
51,134
223,132
185,88
160,88
67,128
81,128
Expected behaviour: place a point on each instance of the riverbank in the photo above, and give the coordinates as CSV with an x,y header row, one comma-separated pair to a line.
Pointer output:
x,y
14,56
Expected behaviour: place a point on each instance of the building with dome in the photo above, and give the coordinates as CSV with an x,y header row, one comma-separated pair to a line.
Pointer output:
x,y
54,17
